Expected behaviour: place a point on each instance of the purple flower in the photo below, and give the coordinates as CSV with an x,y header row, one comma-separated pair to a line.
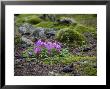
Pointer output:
x,y
39,43
37,50
58,47
48,46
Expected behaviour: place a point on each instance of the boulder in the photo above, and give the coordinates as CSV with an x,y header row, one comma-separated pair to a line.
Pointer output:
x,y
26,29
39,33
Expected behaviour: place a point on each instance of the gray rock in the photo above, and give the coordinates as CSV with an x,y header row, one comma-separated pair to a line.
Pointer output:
x,y
51,17
23,45
39,33
26,29
26,40
87,49
66,21
50,34
68,69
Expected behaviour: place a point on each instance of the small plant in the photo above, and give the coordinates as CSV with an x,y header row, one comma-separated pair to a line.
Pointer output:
x,y
64,52
28,53
46,48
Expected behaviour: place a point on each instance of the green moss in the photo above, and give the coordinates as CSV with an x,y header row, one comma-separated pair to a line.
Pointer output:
x,y
68,59
71,58
33,19
59,26
25,15
45,24
28,18
17,40
90,71
83,29
19,21
70,36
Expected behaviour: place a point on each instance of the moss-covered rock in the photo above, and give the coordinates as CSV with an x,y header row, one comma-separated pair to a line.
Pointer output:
x,y
70,36
83,29
25,18
33,20
19,21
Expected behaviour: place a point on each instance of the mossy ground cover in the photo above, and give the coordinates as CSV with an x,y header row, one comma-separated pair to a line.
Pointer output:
x,y
71,36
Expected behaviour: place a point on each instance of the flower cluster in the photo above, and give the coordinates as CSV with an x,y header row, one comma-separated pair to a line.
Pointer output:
x,y
49,46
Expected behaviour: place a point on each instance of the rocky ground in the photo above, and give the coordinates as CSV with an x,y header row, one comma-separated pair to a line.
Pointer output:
x,y
33,68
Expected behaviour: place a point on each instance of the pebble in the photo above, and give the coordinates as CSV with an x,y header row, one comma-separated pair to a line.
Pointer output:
x,y
67,69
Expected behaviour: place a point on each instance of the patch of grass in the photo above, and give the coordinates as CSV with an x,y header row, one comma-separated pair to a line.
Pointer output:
x,y
89,20
71,58
67,59
84,16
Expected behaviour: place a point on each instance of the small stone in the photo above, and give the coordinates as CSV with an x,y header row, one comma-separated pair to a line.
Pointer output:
x,y
86,49
51,73
50,34
68,69
30,53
